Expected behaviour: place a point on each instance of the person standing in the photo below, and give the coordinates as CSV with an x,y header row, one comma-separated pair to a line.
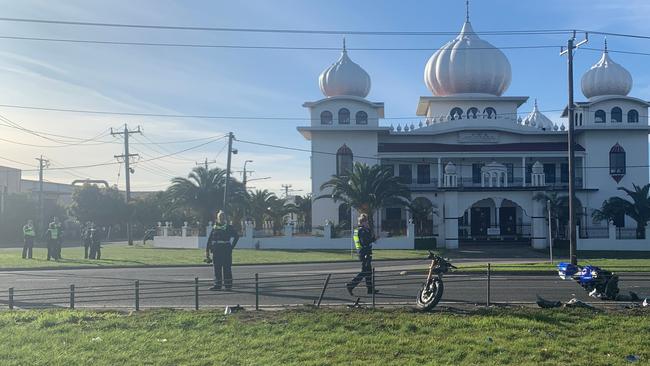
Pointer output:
x,y
221,242
363,239
95,243
59,240
85,237
52,237
28,235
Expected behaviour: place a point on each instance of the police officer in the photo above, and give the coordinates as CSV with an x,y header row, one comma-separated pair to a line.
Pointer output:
x,y
363,239
52,237
95,244
28,235
59,241
221,242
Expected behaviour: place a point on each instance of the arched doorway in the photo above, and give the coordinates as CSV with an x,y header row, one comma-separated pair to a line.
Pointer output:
x,y
495,220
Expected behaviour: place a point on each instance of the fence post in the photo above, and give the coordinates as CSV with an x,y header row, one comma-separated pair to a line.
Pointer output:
x,y
196,293
488,284
257,291
373,287
322,293
11,298
71,296
137,295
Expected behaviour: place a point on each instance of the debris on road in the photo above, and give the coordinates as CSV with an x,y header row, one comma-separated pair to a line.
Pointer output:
x,y
575,303
546,304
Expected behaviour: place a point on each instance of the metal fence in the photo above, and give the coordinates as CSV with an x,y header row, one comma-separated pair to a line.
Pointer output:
x,y
397,288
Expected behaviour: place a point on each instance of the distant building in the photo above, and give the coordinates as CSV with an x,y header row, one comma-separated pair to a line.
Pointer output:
x,y
474,155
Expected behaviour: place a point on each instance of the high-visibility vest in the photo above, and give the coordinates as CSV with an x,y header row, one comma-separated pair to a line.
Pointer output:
x,y
222,228
28,231
54,233
355,237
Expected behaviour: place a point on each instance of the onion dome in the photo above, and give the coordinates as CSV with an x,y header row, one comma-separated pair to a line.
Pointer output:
x,y
344,77
468,65
606,77
450,168
538,168
538,119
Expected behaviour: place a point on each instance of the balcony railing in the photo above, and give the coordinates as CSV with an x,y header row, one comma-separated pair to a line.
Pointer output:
x,y
468,182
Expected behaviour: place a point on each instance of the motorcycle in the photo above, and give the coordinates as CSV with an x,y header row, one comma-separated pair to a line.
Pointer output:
x,y
431,292
600,283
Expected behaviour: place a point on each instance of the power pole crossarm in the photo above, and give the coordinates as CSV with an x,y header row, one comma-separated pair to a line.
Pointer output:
x,y
42,164
127,170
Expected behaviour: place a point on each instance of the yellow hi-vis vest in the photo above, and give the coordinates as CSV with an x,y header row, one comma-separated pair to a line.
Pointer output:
x,y
54,233
28,231
355,237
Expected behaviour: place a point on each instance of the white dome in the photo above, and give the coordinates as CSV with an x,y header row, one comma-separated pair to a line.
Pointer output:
x,y
538,168
450,168
468,64
538,119
344,77
606,77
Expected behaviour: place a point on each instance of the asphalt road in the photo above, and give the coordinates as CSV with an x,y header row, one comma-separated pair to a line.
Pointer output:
x,y
278,285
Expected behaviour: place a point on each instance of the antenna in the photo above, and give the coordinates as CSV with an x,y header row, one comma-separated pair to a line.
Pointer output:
x,y
467,10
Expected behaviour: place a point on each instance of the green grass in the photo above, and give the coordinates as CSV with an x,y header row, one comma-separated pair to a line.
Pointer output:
x,y
138,255
325,337
616,265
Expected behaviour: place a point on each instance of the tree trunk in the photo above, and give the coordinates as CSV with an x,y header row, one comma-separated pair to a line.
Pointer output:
x,y
640,231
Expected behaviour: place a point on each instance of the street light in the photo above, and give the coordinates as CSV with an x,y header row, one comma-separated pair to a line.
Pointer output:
x,y
245,174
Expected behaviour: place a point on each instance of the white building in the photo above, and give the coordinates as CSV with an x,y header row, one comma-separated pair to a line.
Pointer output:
x,y
472,155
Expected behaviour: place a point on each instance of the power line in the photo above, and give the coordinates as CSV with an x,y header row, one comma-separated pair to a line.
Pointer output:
x,y
269,30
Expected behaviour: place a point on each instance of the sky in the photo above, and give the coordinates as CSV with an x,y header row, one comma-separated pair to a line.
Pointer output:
x,y
258,83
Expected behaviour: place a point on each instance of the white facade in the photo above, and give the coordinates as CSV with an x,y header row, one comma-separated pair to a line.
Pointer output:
x,y
474,155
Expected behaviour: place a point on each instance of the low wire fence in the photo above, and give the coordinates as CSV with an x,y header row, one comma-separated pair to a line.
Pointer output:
x,y
315,289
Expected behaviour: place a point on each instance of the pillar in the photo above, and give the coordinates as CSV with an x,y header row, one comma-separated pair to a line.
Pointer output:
x,y
439,172
523,171
450,217
539,224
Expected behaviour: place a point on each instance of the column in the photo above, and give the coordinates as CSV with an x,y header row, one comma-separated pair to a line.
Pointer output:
x,y
523,171
539,224
450,217
439,172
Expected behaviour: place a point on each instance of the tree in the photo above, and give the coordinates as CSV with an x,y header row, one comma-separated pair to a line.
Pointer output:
x,y
278,210
638,208
259,204
421,209
103,206
559,205
18,209
303,210
202,192
367,189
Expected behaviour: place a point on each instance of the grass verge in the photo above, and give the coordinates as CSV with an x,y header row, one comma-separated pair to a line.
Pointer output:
x,y
139,255
325,337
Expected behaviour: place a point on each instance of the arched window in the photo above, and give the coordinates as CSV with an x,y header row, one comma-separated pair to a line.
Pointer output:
x,y
616,115
490,113
633,116
617,162
344,116
456,113
472,113
361,117
580,119
599,116
345,215
344,159
326,118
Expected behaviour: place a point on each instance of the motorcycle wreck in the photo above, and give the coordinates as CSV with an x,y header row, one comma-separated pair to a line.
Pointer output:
x,y
431,292
599,283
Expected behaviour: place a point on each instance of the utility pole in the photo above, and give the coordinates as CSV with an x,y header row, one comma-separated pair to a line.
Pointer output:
x,y
286,190
127,170
206,163
571,46
245,173
226,184
42,164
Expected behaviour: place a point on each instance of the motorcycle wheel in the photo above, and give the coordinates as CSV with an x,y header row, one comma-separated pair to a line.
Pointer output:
x,y
429,296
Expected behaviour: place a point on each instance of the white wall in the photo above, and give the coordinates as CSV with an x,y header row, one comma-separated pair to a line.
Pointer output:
x,y
609,244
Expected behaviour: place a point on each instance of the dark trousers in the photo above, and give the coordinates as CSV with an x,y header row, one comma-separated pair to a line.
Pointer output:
x,y
222,263
27,247
366,271
95,251
86,248
51,249
59,243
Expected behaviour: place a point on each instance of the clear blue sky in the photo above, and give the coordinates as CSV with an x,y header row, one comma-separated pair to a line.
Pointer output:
x,y
262,82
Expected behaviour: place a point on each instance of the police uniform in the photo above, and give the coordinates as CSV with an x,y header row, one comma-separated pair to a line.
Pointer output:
x,y
221,246
52,236
363,240
95,244
59,241
28,235
86,239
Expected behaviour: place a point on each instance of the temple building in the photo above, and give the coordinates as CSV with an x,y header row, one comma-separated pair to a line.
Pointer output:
x,y
480,163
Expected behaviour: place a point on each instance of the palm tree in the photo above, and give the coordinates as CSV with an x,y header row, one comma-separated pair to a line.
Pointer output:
x,y
202,192
277,212
259,203
638,208
303,209
421,209
559,205
367,189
